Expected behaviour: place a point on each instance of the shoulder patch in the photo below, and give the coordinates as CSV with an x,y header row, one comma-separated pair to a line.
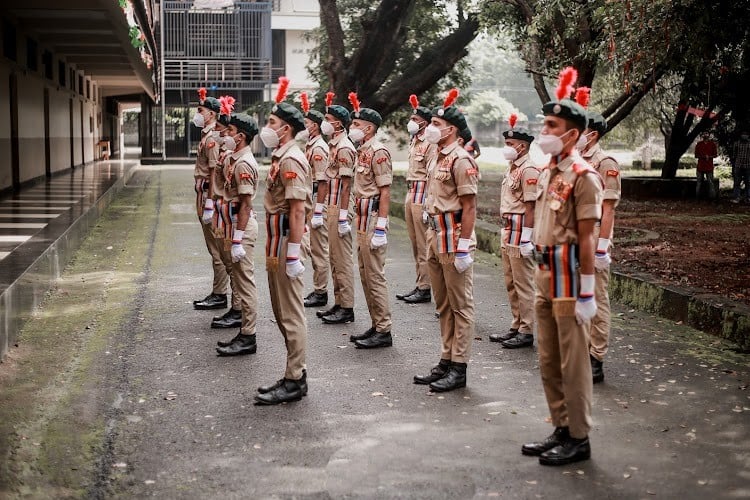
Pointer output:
x,y
612,173
290,175
317,157
472,171
245,176
210,144
531,182
382,159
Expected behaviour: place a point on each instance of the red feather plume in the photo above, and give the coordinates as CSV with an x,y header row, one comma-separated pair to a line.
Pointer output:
x,y
305,102
283,87
354,101
202,93
451,97
512,119
227,104
568,77
329,99
414,101
583,95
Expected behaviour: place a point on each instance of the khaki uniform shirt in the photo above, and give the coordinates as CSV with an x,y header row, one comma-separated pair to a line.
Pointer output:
x,y
453,173
374,169
608,169
208,152
241,174
420,152
341,155
568,191
316,152
218,181
289,178
519,186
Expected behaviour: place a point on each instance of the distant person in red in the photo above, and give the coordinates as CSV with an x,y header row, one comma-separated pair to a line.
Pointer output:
x,y
706,151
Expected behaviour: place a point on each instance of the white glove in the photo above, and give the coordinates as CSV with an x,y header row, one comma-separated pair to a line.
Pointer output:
x,y
602,260
238,252
379,238
527,249
317,218
586,303
344,226
463,258
294,267
425,217
208,211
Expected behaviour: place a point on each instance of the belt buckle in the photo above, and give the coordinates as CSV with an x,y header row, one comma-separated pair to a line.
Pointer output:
x,y
538,257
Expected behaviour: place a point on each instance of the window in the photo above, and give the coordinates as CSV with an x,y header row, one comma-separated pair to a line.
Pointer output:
x,y
47,62
278,54
88,89
80,84
10,49
32,59
72,74
61,73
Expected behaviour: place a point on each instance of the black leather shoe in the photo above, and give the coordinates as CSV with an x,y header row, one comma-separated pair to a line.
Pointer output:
x,y
379,339
264,389
555,439
455,378
572,450
343,315
401,296
212,301
362,336
241,344
502,337
285,392
230,319
597,369
327,312
438,371
520,340
419,297
316,299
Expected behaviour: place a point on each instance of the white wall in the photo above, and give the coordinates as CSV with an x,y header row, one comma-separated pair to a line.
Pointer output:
x,y
88,131
297,56
59,129
77,132
30,127
6,174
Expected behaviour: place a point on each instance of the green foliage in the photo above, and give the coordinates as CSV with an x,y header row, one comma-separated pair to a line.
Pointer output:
x,y
488,108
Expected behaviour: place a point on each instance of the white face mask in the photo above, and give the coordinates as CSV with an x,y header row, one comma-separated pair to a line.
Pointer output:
x,y
303,135
270,137
198,120
551,144
412,127
326,128
582,142
432,134
229,143
356,134
510,153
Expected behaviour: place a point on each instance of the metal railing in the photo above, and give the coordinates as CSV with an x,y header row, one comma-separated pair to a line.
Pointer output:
x,y
247,74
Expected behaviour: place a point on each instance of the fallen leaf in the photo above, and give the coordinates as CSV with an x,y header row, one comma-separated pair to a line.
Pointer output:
x,y
376,394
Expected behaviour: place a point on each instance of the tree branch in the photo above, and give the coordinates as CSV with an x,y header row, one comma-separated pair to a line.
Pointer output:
x,y
329,18
631,100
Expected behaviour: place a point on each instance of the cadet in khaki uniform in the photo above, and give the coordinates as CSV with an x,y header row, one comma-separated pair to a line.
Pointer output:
x,y
517,207
609,171
240,186
205,163
567,208
287,201
316,152
222,225
372,197
451,205
340,212
416,180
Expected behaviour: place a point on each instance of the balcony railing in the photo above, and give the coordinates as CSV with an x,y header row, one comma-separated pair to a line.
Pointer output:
x,y
245,74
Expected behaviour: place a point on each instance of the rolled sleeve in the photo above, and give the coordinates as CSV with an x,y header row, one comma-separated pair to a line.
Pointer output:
x,y
612,182
530,181
293,179
588,197
382,168
466,175
319,163
246,178
212,153
345,162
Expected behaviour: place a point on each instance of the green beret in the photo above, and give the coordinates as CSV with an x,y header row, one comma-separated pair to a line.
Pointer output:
x,y
423,113
289,114
223,119
211,103
244,123
341,113
465,134
568,110
597,123
520,134
452,115
315,116
368,114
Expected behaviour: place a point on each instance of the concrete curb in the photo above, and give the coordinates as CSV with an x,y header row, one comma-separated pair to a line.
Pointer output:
x,y
703,311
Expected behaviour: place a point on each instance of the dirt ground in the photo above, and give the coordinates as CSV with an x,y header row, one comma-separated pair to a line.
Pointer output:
x,y
699,244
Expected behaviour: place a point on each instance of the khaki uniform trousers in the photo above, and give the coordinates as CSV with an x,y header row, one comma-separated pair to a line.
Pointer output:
x,y
418,236
454,299
244,291
372,275
563,360
221,269
226,258
319,253
341,256
601,323
519,281
289,310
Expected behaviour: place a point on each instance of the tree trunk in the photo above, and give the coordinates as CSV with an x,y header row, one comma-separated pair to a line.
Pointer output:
x,y
682,136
